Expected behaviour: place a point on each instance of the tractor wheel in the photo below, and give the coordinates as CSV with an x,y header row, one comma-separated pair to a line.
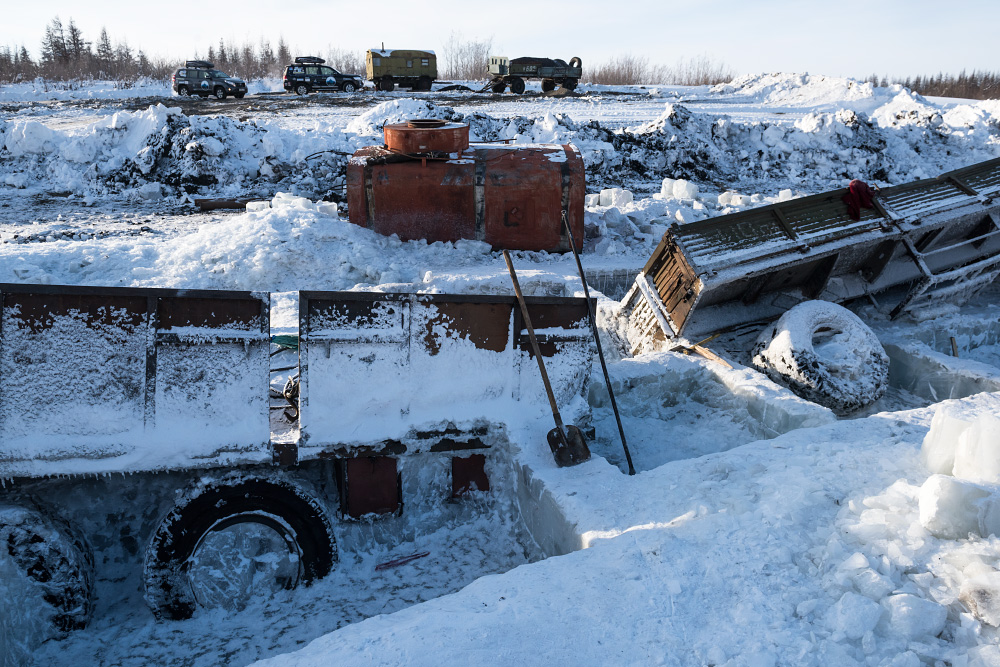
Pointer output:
x,y
570,84
234,537
499,87
424,83
825,354
60,562
386,85
548,85
517,85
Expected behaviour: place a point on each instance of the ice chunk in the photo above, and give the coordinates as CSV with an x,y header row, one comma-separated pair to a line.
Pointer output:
x,y
684,216
150,191
772,135
853,615
981,594
949,507
615,197
989,515
684,189
915,618
258,205
592,200
740,200
872,585
725,198
977,456
667,187
785,195
327,208
938,450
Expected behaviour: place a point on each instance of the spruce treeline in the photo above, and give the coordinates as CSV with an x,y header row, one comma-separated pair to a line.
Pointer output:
x,y
66,54
976,85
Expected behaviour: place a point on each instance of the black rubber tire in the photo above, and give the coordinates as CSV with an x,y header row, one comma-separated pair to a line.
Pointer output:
x,y
548,84
577,61
349,87
424,83
53,555
386,85
785,351
211,503
499,87
517,85
570,84
183,91
219,93
302,89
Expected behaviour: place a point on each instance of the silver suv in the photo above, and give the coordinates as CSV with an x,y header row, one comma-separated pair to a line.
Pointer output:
x,y
199,77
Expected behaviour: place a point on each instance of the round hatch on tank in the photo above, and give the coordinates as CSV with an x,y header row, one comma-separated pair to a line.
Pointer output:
x,y
426,135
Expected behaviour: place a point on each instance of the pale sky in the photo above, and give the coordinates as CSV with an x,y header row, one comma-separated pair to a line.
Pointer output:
x,y
893,37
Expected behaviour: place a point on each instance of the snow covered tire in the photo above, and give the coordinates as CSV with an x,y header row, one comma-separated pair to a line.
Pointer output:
x,y
848,371
57,559
268,499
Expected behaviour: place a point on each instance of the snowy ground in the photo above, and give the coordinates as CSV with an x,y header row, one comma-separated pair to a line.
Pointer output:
x,y
751,536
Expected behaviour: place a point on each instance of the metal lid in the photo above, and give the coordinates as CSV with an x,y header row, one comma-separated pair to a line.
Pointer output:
x,y
426,135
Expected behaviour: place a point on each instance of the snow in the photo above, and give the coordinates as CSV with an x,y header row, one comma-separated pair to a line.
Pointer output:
x,y
759,530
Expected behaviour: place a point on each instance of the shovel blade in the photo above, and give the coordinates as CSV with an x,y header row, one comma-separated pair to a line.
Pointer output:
x,y
569,448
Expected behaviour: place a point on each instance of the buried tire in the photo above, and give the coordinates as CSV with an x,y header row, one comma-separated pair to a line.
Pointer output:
x,y
825,354
232,537
55,558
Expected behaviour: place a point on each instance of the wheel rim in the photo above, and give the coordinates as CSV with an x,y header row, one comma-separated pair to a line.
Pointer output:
x,y
242,558
301,90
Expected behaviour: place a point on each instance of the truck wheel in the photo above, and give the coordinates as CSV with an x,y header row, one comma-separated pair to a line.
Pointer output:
x,y
386,85
58,560
424,83
548,84
517,85
349,87
570,84
231,538
183,91
302,89
825,354
220,93
499,87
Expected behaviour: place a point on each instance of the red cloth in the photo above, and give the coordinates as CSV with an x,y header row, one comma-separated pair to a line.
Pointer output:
x,y
858,196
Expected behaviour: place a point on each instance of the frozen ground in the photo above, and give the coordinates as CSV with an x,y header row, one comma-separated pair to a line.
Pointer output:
x,y
750,536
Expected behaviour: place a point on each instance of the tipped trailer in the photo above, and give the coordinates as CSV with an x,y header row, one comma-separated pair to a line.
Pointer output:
x,y
919,243
138,437
512,72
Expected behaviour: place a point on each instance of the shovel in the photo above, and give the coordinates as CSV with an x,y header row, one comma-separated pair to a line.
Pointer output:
x,y
566,442
597,340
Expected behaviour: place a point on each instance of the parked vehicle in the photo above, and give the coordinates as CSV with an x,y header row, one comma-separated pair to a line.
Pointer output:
x,y
512,72
308,74
412,69
199,77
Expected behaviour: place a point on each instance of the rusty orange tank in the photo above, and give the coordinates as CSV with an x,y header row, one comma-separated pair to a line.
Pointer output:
x,y
429,183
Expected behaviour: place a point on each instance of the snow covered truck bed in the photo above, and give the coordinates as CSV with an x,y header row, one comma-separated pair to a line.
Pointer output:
x,y
932,239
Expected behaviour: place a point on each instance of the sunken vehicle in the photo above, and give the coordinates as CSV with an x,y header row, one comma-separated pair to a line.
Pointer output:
x,y
141,435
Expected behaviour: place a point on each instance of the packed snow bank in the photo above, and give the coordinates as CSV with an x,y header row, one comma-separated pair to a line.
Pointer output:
x,y
806,550
805,90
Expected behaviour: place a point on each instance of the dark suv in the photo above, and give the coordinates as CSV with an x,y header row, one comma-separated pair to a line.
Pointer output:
x,y
308,74
199,77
